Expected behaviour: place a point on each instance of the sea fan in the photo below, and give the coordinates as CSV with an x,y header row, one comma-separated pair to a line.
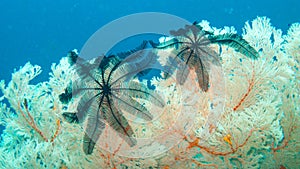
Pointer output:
x,y
102,84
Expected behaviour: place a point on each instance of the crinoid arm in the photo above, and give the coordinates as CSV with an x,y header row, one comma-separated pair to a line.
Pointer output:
x,y
182,73
83,67
84,104
140,91
117,121
196,23
135,90
236,42
133,107
72,57
191,50
167,44
134,64
70,117
202,75
67,95
130,52
94,128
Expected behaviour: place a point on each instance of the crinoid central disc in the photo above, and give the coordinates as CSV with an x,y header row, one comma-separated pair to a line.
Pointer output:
x,y
106,89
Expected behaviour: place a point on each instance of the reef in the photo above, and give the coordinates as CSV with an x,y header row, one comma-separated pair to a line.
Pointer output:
x,y
241,93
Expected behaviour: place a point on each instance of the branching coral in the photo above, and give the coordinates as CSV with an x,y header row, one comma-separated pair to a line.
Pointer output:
x,y
257,128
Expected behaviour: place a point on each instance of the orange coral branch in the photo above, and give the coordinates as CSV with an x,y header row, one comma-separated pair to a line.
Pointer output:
x,y
251,85
208,150
57,130
203,165
283,145
26,108
118,148
285,141
31,122
110,158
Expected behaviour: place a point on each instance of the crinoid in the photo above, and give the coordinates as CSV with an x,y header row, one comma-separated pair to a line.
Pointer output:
x,y
192,47
107,87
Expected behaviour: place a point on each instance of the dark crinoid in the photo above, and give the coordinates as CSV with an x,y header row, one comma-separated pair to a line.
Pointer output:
x,y
106,88
192,47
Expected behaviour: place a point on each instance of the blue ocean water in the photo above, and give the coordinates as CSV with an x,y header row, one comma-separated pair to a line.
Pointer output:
x,y
44,31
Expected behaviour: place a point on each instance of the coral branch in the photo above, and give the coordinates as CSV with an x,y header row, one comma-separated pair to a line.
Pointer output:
x,y
251,85
208,150
31,121
286,138
110,159
203,165
57,130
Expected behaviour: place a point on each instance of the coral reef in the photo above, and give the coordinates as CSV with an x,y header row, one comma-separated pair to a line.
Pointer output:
x,y
257,128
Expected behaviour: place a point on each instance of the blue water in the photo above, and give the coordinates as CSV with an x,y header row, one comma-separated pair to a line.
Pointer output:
x,y
44,31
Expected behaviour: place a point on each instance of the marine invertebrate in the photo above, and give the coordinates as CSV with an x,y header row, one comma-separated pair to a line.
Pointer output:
x,y
192,47
103,84
193,50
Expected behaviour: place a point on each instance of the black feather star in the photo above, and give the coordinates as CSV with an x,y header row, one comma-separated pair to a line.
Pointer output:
x,y
105,83
192,46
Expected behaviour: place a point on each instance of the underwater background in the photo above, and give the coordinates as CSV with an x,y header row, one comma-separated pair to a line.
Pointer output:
x,y
43,32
